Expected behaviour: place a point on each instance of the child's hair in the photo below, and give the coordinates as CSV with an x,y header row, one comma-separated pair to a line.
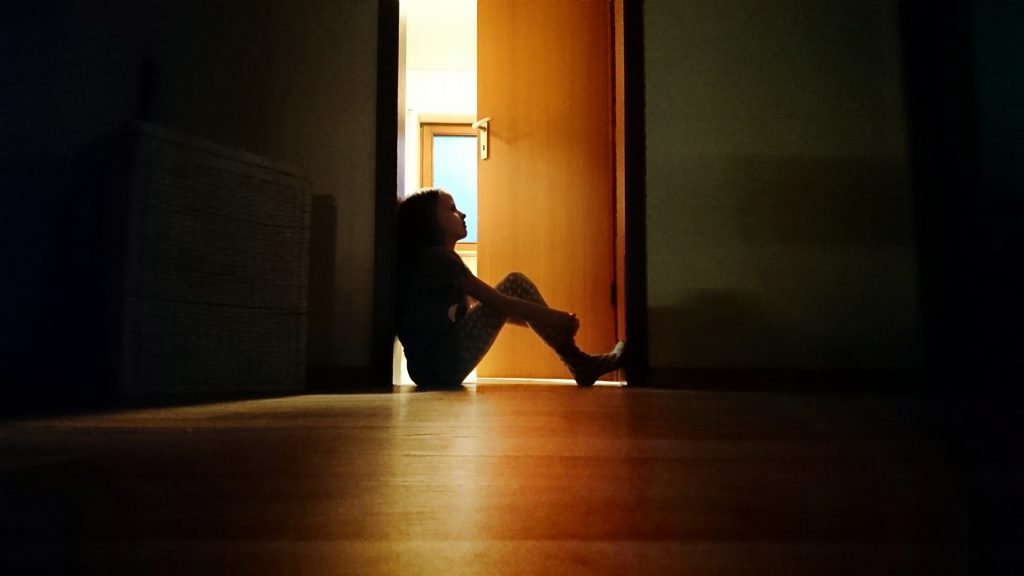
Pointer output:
x,y
417,221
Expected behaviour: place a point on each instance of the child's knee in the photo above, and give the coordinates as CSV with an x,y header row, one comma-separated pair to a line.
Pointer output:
x,y
518,285
516,278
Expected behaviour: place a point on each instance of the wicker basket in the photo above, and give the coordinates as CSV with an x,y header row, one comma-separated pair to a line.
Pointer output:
x,y
216,270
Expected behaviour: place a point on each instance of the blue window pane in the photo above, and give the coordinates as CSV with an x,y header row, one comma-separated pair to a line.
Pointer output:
x,y
455,171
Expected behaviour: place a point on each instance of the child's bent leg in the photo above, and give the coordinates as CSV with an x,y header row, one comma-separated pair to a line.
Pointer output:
x,y
584,367
479,328
476,333
519,286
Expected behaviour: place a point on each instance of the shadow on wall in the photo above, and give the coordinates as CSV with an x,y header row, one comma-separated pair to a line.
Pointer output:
x,y
737,330
712,325
323,229
785,261
861,202
821,201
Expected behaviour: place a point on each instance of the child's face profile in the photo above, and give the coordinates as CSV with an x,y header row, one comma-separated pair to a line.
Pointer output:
x,y
452,222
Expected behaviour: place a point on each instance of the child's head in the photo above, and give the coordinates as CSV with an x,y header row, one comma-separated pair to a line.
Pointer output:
x,y
417,220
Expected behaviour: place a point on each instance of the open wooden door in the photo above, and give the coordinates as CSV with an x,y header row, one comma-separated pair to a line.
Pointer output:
x,y
547,189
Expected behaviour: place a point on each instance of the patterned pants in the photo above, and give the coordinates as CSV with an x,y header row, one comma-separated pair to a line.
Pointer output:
x,y
477,330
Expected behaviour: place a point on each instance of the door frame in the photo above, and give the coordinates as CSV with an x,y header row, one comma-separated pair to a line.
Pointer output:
x,y
386,195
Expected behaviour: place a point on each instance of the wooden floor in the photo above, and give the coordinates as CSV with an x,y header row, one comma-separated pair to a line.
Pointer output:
x,y
497,480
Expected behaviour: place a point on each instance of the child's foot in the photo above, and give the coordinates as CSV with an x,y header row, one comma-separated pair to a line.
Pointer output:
x,y
586,369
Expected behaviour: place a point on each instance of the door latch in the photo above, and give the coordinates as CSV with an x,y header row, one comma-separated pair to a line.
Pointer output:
x,y
482,125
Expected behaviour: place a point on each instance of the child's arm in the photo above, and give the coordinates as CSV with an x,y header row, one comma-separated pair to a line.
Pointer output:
x,y
514,307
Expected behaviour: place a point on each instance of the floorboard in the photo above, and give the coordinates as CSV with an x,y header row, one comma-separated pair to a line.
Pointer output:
x,y
496,480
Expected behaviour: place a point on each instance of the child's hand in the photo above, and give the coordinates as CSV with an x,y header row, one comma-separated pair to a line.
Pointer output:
x,y
567,321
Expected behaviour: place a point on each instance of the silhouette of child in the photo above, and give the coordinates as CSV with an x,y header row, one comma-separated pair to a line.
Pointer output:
x,y
444,338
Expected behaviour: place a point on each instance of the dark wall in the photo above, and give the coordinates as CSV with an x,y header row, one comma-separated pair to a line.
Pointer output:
x,y
780,224
998,59
836,185
965,74
965,69
291,81
73,74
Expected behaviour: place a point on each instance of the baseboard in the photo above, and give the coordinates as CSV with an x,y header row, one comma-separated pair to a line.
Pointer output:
x,y
341,379
537,381
785,380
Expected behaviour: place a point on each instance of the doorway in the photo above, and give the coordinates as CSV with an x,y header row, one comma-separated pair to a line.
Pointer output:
x,y
437,105
447,80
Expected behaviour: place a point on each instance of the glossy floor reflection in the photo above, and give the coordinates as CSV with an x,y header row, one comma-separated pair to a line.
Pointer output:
x,y
497,480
